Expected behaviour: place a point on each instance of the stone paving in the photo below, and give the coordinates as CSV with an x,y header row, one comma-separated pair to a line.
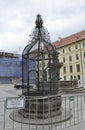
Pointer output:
x,y
7,124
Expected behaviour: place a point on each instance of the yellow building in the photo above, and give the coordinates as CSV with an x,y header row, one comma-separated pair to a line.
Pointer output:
x,y
72,53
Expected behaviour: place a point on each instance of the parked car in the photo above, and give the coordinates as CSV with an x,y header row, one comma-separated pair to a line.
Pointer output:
x,y
18,85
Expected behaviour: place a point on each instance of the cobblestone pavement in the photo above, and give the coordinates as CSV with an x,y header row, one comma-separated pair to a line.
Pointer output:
x,y
7,124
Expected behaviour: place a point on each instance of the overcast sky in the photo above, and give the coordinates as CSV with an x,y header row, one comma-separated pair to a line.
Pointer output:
x,y
17,18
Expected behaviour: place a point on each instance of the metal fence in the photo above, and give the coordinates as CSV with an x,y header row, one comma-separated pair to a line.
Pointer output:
x,y
73,105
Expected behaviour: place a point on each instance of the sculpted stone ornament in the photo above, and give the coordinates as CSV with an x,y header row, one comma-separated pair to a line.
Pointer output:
x,y
39,21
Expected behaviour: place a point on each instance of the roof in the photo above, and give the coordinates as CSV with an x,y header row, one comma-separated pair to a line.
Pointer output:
x,y
70,39
8,54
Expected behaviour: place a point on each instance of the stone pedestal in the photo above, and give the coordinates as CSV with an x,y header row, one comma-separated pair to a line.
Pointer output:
x,y
42,107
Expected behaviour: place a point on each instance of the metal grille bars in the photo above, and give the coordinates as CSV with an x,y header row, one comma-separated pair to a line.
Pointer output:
x,y
42,78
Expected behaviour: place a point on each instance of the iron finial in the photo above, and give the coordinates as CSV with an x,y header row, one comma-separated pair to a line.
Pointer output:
x,y
39,22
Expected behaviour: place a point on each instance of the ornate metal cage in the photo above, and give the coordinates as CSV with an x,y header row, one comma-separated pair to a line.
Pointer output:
x,y
40,72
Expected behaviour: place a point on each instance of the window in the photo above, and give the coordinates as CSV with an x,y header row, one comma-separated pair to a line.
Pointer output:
x,y
84,54
64,77
43,57
71,77
44,64
64,69
76,46
40,72
71,68
78,77
70,58
69,48
64,59
77,57
40,65
63,51
84,44
78,67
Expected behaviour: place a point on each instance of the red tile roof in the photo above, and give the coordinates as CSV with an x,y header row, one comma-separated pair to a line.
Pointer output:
x,y
70,39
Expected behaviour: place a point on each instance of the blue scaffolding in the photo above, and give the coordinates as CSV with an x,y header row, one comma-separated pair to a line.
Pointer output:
x,y
11,68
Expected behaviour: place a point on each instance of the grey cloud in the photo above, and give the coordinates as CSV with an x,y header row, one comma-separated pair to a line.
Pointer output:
x,y
17,18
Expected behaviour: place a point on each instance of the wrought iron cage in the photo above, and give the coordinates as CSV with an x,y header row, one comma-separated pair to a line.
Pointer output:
x,y
40,72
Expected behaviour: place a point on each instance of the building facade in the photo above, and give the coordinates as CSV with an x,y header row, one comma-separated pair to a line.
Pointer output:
x,y
72,53
10,68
